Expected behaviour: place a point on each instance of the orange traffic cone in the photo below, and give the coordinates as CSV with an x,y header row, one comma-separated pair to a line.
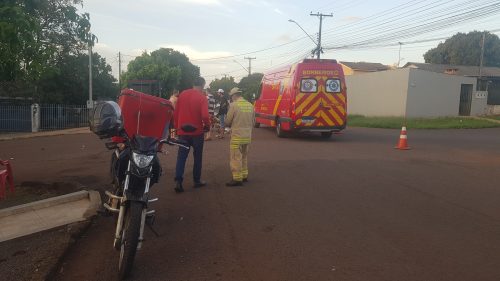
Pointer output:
x,y
403,140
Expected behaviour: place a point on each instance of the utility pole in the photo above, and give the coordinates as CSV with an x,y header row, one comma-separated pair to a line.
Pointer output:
x,y
90,103
481,61
250,64
318,49
399,56
119,70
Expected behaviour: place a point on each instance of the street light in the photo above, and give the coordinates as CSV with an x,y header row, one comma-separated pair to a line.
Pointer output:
x,y
242,66
315,43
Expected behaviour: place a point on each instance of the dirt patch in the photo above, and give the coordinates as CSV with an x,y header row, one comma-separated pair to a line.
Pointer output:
x,y
35,257
31,191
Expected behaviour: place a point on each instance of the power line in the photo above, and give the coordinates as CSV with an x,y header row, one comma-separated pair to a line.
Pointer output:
x,y
438,23
250,53
378,27
392,10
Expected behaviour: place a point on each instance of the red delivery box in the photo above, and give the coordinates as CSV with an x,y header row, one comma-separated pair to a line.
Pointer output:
x,y
144,114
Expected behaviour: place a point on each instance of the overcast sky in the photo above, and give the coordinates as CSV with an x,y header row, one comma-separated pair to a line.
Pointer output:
x,y
217,34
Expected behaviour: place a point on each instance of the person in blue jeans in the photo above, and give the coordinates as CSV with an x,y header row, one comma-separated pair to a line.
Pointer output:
x,y
196,142
191,120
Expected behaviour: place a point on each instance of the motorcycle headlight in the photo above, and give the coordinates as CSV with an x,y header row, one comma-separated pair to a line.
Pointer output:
x,y
141,160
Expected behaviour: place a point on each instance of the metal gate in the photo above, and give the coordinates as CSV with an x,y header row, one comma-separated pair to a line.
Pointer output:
x,y
465,100
45,117
15,118
57,117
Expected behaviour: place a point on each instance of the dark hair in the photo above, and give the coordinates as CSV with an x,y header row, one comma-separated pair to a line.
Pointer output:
x,y
199,82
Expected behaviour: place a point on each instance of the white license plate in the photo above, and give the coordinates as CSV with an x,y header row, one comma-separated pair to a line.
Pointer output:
x,y
307,121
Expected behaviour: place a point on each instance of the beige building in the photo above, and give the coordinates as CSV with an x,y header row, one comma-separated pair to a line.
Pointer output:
x,y
488,79
414,93
354,68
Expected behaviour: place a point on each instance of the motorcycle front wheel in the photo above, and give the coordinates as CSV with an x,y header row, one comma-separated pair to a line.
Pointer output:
x,y
130,238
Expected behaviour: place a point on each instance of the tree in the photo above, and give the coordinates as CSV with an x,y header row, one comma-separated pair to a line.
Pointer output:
x,y
225,83
68,82
171,68
16,36
37,33
465,49
43,47
250,85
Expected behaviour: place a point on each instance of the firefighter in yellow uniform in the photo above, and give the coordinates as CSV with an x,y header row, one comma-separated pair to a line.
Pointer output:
x,y
240,117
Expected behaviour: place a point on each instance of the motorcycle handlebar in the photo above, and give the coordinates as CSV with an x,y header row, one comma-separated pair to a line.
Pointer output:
x,y
177,142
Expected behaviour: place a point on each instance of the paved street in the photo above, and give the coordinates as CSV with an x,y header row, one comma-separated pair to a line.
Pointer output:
x,y
350,208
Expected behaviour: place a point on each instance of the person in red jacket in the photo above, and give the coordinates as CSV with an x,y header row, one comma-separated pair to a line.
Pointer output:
x,y
191,120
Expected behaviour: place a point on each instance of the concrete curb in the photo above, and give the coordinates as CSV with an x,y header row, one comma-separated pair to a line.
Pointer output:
x,y
45,203
49,213
15,136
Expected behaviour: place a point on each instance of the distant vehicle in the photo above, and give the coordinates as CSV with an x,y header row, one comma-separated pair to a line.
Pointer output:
x,y
309,96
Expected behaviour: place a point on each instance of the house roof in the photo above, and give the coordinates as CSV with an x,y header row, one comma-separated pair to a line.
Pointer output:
x,y
365,66
463,70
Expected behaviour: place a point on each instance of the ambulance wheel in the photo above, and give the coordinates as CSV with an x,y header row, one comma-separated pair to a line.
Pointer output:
x,y
326,135
279,131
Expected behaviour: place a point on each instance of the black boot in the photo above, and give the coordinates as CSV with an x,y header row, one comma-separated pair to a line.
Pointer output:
x,y
198,184
178,187
234,183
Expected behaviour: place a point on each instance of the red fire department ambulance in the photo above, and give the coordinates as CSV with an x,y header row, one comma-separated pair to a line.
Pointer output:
x,y
309,96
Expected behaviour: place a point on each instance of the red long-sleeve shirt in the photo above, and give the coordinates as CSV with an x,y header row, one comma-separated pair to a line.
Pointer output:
x,y
191,108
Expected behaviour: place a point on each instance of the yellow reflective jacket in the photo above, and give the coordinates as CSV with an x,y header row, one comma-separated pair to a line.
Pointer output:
x,y
240,117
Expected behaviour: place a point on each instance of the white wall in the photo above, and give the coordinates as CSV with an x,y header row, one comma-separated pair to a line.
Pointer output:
x,y
479,104
493,110
378,93
433,94
416,92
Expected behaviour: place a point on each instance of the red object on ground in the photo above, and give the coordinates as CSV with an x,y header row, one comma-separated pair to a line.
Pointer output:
x,y
403,140
6,176
144,114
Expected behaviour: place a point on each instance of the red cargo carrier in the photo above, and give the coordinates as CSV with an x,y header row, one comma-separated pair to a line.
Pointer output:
x,y
144,114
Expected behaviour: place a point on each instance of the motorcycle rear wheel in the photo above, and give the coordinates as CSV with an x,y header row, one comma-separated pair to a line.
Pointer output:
x,y
130,238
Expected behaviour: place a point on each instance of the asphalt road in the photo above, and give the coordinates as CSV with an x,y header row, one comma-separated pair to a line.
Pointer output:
x,y
349,208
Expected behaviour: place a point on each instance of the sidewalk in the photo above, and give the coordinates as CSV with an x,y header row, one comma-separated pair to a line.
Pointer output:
x,y
13,136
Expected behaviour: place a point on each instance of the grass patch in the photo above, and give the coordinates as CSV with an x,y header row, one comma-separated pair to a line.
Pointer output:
x,y
496,117
420,123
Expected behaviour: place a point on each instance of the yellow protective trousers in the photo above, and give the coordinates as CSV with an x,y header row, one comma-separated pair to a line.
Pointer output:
x,y
238,160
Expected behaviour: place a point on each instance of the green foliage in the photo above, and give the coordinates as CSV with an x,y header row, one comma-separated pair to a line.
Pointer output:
x,y
225,83
465,49
37,33
172,68
17,40
419,123
250,85
42,47
68,81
